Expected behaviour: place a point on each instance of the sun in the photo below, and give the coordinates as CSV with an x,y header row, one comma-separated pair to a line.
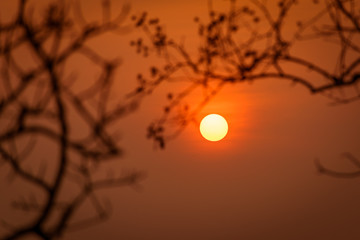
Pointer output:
x,y
213,127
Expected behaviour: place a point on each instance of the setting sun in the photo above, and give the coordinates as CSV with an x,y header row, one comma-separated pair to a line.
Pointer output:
x,y
213,127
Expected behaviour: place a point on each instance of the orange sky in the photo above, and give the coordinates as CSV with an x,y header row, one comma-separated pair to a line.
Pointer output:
x,y
260,182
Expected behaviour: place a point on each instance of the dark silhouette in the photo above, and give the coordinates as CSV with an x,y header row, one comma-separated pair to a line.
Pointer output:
x,y
333,173
250,42
37,104
245,44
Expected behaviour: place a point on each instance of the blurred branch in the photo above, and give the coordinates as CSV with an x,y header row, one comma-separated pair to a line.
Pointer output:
x,y
351,174
53,40
247,43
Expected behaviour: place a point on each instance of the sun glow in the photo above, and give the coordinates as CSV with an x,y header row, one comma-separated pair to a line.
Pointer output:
x,y
213,127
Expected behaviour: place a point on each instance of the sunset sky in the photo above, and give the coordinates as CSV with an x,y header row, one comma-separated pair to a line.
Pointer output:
x,y
259,182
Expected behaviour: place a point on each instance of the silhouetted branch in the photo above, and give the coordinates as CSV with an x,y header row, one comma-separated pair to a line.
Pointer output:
x,y
14,163
247,43
250,42
350,174
53,41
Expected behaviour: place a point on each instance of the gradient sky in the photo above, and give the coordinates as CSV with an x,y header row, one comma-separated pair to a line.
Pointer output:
x,y
260,182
